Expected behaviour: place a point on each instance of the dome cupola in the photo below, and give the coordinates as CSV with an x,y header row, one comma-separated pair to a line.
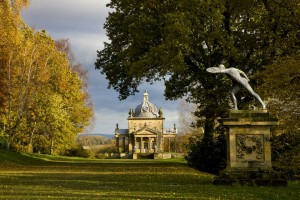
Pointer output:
x,y
146,109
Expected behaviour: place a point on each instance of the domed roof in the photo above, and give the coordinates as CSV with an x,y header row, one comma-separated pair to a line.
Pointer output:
x,y
146,109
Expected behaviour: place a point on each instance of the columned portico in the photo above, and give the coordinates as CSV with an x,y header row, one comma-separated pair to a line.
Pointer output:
x,y
144,144
145,133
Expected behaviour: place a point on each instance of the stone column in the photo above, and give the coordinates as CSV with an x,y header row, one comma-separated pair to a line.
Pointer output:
x,y
118,144
175,145
130,138
124,144
134,145
134,152
142,145
150,145
161,145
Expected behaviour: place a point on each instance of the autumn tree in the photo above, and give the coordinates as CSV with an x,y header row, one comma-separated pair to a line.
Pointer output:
x,y
44,101
64,46
65,107
10,44
176,41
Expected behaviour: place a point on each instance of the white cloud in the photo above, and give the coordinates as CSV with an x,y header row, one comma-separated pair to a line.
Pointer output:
x,y
106,121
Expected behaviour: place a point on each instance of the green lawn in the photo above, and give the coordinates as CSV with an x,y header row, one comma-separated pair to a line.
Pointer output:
x,y
49,177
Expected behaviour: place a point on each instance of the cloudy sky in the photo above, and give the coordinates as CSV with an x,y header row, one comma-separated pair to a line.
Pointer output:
x,y
82,23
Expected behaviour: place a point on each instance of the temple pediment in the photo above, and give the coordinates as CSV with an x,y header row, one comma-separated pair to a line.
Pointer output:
x,y
146,131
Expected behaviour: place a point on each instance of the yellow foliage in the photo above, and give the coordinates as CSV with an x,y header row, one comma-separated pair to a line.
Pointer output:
x,y
41,95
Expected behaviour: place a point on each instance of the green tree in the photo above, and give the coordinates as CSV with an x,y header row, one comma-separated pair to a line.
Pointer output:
x,y
175,41
281,86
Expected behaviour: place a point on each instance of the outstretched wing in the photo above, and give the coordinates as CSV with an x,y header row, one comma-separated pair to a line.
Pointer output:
x,y
214,70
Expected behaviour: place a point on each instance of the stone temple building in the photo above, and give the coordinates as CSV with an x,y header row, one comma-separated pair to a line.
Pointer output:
x,y
145,133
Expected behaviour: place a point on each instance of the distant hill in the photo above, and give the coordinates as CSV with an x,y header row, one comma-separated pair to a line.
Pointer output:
x,y
110,136
94,139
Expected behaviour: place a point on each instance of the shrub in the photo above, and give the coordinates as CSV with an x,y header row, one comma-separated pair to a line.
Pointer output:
x,y
101,151
208,154
286,153
3,140
111,148
77,151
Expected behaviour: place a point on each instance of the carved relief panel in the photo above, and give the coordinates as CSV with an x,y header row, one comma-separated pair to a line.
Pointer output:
x,y
249,147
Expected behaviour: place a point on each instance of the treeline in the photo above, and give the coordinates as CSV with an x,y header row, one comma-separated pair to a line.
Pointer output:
x,y
44,102
93,140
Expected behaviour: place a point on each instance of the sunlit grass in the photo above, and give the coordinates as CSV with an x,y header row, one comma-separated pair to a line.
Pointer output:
x,y
51,177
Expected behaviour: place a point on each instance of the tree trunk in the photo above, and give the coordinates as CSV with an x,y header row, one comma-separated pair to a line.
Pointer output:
x,y
52,146
209,128
30,149
8,142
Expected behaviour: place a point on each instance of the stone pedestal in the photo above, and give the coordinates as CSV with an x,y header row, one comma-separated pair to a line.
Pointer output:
x,y
134,156
249,149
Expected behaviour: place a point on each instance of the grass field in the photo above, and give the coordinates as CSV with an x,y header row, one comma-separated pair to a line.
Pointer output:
x,y
49,177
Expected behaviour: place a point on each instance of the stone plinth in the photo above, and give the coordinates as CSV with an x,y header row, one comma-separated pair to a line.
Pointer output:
x,y
249,149
134,156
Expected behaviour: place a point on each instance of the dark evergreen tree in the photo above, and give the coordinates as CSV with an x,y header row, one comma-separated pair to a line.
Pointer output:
x,y
176,41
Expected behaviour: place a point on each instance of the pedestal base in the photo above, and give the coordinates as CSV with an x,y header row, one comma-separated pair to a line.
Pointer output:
x,y
249,150
134,156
